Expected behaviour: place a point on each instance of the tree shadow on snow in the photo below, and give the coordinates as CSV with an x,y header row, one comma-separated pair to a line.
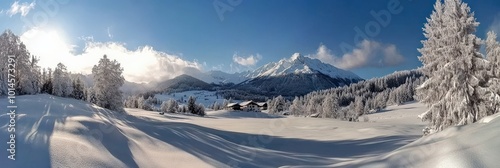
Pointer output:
x,y
225,148
34,128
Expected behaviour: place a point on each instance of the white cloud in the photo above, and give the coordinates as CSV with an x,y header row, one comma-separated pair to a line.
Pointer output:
x,y
23,8
247,61
143,64
366,54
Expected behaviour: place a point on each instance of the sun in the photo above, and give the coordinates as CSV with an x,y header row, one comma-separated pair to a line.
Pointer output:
x,y
50,45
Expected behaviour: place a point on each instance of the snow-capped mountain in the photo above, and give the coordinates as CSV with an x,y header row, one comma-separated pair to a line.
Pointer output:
x,y
297,75
294,76
298,64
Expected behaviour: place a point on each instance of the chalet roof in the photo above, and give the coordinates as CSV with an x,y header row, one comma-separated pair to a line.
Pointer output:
x,y
233,104
248,103
262,104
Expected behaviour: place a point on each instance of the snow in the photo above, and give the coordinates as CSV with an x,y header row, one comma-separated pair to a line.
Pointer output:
x,y
61,132
490,118
298,64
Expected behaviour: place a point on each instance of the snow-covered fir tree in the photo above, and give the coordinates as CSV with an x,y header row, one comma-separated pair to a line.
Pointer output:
x,y
225,103
277,105
330,107
172,106
163,107
493,53
297,107
359,106
191,104
493,56
61,83
217,106
90,95
78,89
47,82
27,72
456,88
107,82
200,110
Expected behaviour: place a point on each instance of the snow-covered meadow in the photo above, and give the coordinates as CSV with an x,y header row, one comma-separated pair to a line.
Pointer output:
x,y
63,132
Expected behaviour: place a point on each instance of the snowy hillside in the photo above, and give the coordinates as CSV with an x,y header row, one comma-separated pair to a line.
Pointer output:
x,y
298,64
475,145
61,132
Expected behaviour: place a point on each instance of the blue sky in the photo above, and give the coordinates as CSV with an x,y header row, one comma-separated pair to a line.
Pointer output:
x,y
232,37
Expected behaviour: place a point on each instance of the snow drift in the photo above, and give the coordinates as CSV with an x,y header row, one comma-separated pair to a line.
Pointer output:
x,y
474,145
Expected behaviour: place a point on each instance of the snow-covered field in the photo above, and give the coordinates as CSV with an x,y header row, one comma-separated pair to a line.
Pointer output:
x,y
60,132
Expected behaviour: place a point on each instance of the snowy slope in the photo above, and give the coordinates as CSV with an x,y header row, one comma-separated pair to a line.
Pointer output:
x,y
60,132
298,64
475,145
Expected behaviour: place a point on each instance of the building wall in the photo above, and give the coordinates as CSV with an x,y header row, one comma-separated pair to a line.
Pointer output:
x,y
251,108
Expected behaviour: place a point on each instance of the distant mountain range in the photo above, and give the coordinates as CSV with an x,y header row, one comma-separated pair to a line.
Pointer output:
x,y
294,76
297,75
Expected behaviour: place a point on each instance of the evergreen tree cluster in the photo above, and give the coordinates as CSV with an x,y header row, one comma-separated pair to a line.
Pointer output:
x,y
350,102
26,71
30,78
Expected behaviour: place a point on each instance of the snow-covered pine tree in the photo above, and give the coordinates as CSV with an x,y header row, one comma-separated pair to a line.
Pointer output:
x,y
90,96
62,85
200,110
493,55
108,79
172,106
78,89
191,105
216,106
453,90
277,105
35,75
164,106
47,83
141,102
26,69
330,107
225,103
359,106
297,107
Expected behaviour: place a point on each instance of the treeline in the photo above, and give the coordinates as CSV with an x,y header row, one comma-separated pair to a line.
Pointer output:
x,y
241,95
350,102
30,78
149,102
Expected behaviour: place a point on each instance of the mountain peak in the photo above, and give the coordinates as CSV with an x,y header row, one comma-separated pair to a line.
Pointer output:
x,y
299,64
297,56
